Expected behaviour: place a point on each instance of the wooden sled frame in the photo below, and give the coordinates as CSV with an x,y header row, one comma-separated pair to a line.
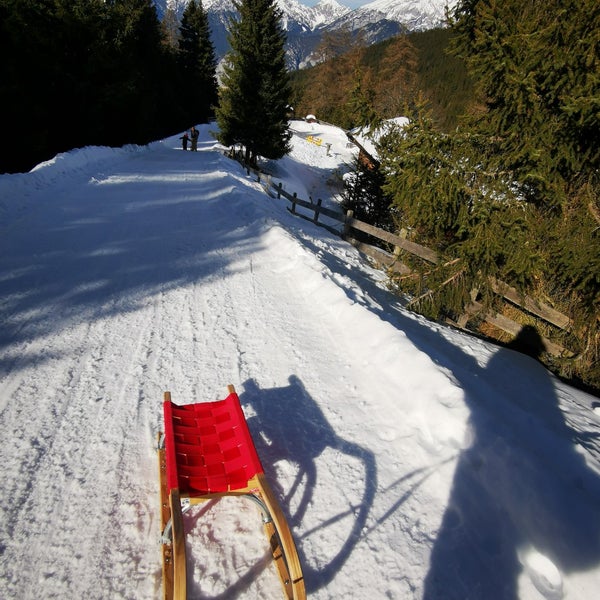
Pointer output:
x,y
205,452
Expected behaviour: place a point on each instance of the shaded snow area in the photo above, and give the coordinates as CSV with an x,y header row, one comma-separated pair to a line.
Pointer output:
x,y
413,461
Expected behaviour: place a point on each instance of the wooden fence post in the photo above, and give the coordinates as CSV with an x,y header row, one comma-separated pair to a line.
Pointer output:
x,y
464,318
279,188
349,215
317,210
294,203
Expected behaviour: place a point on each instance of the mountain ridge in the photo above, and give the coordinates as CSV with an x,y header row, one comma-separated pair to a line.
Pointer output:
x,y
305,25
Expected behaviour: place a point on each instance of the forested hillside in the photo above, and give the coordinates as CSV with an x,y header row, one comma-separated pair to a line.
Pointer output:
x,y
388,77
83,72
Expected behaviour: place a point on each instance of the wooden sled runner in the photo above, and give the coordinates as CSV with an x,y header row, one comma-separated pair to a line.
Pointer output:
x,y
207,451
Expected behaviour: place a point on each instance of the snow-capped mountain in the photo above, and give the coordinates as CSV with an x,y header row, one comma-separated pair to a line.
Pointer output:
x,y
305,25
414,15
294,12
176,5
326,12
383,19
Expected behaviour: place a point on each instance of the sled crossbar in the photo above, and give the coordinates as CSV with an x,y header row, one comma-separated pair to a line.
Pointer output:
x,y
207,452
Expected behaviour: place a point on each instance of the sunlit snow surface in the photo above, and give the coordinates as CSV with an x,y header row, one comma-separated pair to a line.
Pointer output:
x,y
412,461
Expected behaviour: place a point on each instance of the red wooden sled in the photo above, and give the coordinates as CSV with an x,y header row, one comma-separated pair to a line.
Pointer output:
x,y
207,452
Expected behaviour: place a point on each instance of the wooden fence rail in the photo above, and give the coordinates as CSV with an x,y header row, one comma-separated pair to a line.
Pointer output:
x,y
393,264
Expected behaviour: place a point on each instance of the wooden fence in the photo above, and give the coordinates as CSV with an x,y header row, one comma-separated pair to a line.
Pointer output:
x,y
346,224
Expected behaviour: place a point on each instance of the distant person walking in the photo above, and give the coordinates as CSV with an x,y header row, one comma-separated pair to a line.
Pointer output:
x,y
185,138
194,135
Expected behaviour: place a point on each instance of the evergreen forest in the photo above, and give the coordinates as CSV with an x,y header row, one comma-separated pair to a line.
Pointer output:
x,y
99,72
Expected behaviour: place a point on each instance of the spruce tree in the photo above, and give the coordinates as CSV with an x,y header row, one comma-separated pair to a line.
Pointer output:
x,y
133,92
444,196
170,28
197,61
514,192
362,99
82,72
255,91
538,68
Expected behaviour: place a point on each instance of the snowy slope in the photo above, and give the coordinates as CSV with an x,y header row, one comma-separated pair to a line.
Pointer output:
x,y
412,460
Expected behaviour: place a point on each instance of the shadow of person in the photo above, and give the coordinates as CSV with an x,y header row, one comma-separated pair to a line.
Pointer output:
x,y
288,425
522,500
528,341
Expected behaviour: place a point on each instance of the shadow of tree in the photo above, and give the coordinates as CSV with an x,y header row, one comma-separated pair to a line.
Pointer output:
x,y
110,241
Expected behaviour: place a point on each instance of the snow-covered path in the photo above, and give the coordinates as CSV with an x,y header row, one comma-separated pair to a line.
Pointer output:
x,y
412,461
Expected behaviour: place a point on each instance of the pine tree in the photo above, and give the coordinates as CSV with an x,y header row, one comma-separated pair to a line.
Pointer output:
x,y
361,101
45,84
538,68
256,92
197,61
472,217
131,96
82,72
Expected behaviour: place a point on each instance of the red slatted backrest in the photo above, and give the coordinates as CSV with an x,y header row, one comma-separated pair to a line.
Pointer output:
x,y
208,447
